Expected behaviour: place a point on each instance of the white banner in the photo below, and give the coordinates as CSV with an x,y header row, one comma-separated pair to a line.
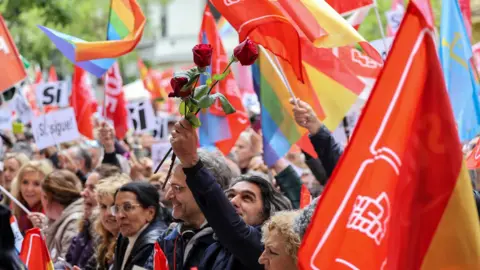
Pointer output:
x,y
140,116
379,45
394,18
161,129
55,128
22,109
6,119
52,94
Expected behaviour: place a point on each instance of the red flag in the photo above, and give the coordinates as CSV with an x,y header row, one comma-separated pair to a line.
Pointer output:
x,y
34,251
344,7
11,65
358,63
266,25
116,106
160,262
305,197
238,121
82,102
52,75
400,195
473,158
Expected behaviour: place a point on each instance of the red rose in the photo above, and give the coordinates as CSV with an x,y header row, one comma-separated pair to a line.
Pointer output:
x,y
177,84
202,55
246,52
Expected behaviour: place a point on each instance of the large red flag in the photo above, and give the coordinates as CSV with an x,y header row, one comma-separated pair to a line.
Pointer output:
x,y
82,102
10,63
238,121
266,25
345,6
34,251
400,197
116,106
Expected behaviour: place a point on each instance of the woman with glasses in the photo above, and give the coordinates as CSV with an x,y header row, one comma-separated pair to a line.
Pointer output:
x,y
136,210
26,188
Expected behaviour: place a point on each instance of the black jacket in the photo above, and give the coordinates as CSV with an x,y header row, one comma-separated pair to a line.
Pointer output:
x,y
142,248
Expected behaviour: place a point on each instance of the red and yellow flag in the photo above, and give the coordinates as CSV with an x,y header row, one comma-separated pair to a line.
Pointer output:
x,y
34,252
400,197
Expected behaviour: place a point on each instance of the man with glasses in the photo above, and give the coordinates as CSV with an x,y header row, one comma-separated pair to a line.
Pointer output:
x,y
185,242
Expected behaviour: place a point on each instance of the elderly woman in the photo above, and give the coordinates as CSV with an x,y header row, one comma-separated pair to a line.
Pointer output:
x,y
27,189
136,210
63,206
11,164
281,242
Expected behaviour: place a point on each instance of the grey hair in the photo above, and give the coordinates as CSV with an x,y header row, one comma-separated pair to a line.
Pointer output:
x,y
272,199
216,164
302,221
82,153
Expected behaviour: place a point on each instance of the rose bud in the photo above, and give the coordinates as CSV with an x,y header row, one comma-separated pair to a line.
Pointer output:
x,y
202,55
246,52
177,84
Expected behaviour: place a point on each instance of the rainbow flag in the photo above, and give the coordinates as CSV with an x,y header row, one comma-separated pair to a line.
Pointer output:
x,y
124,31
279,129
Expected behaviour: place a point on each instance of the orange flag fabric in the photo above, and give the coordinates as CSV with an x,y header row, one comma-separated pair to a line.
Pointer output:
x,y
82,102
400,197
305,197
266,25
160,261
10,63
34,252
473,158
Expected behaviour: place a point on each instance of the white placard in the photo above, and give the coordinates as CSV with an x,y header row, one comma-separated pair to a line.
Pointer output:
x,y
380,46
55,128
140,116
21,107
6,119
158,152
394,18
161,129
52,94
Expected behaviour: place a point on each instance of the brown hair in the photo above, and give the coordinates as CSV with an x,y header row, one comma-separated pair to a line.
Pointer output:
x,y
107,187
62,186
43,167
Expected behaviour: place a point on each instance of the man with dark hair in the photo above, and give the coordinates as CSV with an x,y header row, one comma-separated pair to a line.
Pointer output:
x,y
185,243
236,217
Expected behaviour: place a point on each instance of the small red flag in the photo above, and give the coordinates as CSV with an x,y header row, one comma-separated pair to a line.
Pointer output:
x,y
305,197
160,262
34,253
10,63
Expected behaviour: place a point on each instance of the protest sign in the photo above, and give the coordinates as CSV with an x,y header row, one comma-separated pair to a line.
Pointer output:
x,y
394,18
55,128
140,115
22,109
52,94
6,119
161,129
379,45
158,152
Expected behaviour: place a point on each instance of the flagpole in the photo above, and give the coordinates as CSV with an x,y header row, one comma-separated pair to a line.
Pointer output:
x,y
9,195
278,68
380,25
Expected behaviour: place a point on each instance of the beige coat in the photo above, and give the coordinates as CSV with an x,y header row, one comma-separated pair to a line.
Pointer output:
x,y
60,232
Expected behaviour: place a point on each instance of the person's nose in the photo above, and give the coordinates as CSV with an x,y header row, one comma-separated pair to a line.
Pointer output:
x,y
263,260
235,201
169,194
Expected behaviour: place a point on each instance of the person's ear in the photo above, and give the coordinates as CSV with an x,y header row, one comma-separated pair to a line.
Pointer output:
x,y
150,214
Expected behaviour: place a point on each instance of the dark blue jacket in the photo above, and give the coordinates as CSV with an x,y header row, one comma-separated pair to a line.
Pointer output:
x,y
239,245
183,247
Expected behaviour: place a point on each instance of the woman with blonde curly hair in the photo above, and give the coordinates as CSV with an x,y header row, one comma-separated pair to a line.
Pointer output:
x,y
11,165
281,242
26,188
106,224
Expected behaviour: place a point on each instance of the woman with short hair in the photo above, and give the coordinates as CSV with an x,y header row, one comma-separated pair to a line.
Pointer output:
x,y
137,213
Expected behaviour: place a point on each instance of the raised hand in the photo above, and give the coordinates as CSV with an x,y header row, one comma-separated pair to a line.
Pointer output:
x,y
184,143
305,116
107,137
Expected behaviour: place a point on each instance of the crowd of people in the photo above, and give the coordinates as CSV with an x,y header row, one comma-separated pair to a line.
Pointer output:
x,y
99,207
